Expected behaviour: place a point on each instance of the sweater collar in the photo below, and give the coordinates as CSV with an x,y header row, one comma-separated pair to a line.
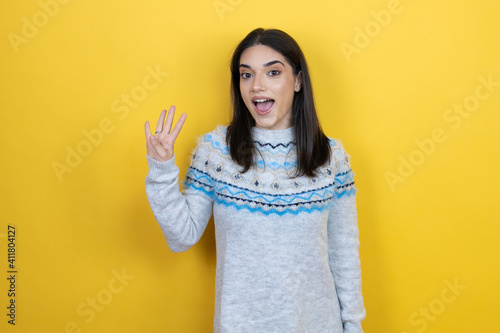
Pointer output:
x,y
273,136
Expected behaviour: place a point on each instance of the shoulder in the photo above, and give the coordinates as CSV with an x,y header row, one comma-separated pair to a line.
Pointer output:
x,y
211,150
219,133
339,157
213,141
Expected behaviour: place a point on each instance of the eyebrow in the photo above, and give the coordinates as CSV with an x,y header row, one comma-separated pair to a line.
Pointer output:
x,y
270,63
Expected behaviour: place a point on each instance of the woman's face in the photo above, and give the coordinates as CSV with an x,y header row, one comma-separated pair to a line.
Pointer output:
x,y
267,85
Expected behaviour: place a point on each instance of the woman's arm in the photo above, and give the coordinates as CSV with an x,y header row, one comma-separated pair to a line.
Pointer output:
x,y
343,244
182,217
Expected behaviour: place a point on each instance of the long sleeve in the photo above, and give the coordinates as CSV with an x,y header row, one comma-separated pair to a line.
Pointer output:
x,y
343,244
184,216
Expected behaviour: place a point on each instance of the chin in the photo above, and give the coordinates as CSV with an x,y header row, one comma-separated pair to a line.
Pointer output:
x,y
270,125
262,126
270,121
265,123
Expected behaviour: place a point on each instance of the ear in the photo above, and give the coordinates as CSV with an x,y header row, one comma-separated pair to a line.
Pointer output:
x,y
298,82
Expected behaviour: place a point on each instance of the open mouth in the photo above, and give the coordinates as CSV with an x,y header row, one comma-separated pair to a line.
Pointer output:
x,y
263,106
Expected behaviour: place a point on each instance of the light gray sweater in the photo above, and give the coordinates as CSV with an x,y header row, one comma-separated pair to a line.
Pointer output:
x,y
287,248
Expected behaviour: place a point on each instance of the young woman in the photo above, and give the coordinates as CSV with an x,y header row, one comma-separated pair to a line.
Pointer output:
x,y
282,195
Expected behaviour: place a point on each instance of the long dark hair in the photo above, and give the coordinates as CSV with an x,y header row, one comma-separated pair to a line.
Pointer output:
x,y
313,149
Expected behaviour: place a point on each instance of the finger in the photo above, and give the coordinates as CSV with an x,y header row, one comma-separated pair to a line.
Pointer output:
x,y
160,152
159,124
178,126
149,148
170,119
147,130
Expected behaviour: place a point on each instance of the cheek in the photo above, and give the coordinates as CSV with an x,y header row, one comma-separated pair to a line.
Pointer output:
x,y
245,96
243,90
286,91
280,88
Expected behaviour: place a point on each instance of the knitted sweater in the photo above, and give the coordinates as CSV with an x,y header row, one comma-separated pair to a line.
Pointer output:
x,y
287,248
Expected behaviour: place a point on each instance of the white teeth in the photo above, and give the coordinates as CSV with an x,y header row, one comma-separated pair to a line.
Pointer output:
x,y
261,100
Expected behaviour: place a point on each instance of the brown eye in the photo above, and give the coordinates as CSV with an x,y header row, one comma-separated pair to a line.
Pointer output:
x,y
245,75
274,72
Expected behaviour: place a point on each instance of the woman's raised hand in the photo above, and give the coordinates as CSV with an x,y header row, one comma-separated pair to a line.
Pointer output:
x,y
161,145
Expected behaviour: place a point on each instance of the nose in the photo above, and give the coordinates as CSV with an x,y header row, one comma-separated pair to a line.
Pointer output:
x,y
258,84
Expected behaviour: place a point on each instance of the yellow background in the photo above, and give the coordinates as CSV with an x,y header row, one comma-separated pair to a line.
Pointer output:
x,y
78,230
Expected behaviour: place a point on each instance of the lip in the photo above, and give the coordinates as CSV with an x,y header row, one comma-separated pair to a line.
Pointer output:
x,y
255,98
255,107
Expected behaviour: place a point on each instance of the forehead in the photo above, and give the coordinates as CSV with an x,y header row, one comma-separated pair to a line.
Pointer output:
x,y
258,55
